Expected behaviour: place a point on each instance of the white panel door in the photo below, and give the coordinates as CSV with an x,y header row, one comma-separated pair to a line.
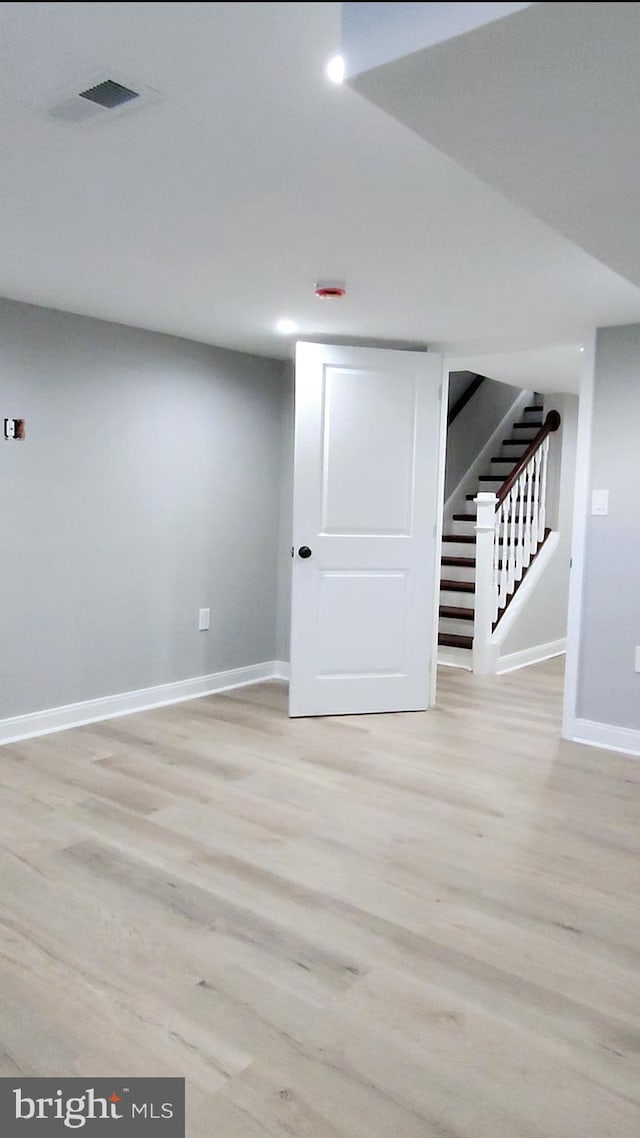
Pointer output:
x,y
368,430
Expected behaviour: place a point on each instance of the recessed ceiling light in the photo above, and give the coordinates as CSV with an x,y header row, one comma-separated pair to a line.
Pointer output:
x,y
285,327
335,69
581,349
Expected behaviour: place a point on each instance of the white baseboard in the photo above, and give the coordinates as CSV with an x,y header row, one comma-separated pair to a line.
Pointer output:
x,y
606,735
126,703
514,660
280,670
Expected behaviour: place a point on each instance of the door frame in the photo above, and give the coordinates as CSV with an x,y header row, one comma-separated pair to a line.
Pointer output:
x,y
580,515
581,491
442,463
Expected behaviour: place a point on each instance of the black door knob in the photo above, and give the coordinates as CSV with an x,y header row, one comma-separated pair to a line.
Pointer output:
x,y
304,551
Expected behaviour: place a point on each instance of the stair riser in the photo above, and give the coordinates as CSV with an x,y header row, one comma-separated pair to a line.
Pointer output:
x,y
466,528
501,470
458,573
461,600
457,549
514,454
460,627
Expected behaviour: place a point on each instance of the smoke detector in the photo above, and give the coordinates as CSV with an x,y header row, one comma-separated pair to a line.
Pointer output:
x,y
101,99
330,290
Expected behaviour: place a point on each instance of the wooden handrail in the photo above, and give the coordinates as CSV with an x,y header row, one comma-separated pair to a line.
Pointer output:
x,y
473,386
551,424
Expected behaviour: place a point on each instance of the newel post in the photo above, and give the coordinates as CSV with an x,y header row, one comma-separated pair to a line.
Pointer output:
x,y
486,589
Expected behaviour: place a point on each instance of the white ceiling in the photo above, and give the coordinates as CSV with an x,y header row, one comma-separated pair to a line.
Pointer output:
x,y
543,106
552,369
212,213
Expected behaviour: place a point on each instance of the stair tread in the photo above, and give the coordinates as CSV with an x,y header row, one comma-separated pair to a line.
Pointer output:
x,y
472,540
491,478
462,562
514,442
456,612
449,586
464,517
472,498
496,458
524,423
535,407
454,640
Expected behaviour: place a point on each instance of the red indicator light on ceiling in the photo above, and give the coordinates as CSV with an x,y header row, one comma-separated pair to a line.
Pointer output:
x,y
330,290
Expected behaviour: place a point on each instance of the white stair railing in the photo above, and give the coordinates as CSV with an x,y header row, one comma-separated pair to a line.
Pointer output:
x,y
519,528
510,528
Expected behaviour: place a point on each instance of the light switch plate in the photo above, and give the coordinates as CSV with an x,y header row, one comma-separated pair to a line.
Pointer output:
x,y
204,620
638,659
600,502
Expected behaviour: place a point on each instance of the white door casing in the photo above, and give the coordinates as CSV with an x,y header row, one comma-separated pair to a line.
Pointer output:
x,y
366,478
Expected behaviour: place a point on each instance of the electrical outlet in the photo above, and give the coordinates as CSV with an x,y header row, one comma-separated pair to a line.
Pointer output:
x,y
14,428
204,620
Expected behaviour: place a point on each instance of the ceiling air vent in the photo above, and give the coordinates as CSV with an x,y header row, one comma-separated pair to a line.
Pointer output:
x,y
102,99
109,94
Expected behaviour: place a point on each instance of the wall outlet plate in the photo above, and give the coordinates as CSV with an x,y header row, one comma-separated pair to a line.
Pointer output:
x,y
14,428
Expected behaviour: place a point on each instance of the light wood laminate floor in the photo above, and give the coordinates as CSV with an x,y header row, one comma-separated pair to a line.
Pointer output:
x,y
402,926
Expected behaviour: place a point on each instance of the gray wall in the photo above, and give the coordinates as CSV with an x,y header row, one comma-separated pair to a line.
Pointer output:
x,y
543,620
473,427
375,34
458,382
608,686
148,486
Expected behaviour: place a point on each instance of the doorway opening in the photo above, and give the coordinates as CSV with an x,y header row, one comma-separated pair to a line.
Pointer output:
x,y
508,505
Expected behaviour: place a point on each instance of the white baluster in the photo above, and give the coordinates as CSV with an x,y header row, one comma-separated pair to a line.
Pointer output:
x,y
520,488
536,503
502,596
526,552
511,567
544,450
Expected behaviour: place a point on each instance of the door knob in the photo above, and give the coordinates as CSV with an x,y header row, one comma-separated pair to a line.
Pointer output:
x,y
304,551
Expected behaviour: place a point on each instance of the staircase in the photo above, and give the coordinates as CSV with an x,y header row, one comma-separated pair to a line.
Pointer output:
x,y
458,560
